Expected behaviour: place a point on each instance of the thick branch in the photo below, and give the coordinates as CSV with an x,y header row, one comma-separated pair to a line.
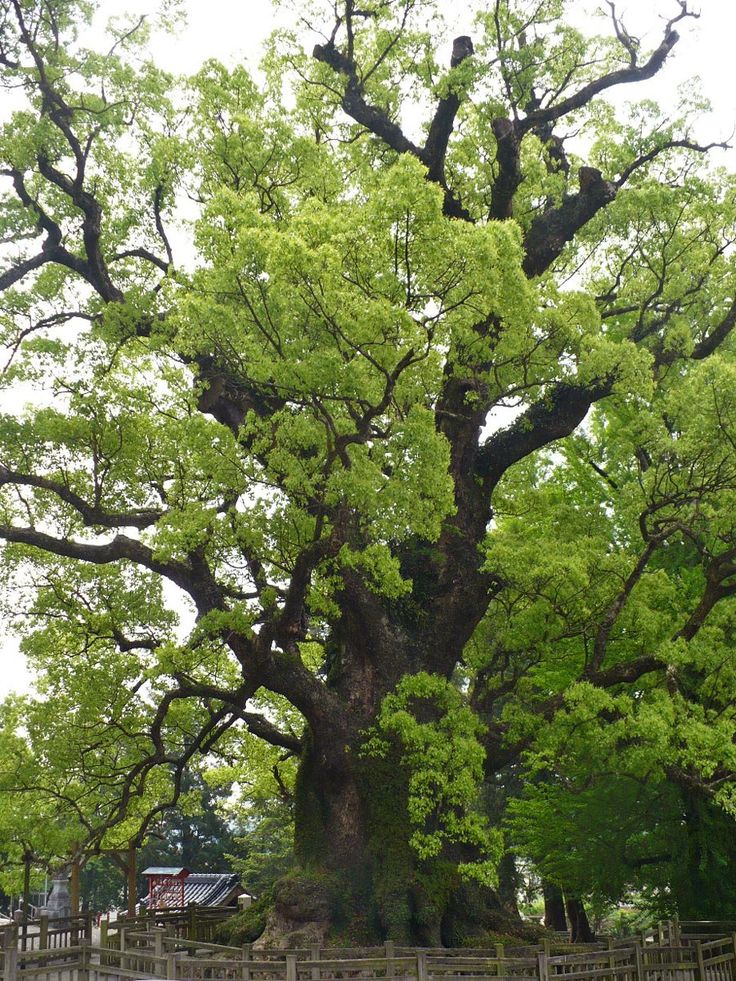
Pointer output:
x,y
260,726
604,630
356,106
557,415
229,399
624,673
91,515
52,249
623,76
17,272
509,168
709,344
440,129
646,158
94,269
121,548
551,231
719,569
127,644
141,254
60,113
378,122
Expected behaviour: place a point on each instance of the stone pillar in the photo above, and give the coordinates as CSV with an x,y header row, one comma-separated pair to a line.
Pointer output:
x,y
59,901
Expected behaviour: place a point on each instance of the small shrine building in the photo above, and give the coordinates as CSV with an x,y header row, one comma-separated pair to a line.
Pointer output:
x,y
173,888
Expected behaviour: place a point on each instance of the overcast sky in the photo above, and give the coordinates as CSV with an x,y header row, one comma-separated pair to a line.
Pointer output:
x,y
233,31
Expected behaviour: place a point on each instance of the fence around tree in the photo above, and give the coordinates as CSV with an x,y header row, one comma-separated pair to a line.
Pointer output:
x,y
175,945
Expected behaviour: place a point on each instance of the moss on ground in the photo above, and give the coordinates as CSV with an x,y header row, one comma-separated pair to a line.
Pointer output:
x,y
245,927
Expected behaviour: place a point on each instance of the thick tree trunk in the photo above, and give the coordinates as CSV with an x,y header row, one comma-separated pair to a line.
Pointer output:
x,y
580,930
554,907
352,838
508,885
352,827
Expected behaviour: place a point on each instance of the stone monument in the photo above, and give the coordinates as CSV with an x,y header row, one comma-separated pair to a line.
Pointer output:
x,y
59,902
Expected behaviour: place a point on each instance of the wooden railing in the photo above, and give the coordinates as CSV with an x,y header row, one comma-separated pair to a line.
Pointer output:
x,y
44,933
134,949
188,922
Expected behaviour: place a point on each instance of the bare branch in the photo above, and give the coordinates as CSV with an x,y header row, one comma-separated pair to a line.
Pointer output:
x,y
623,76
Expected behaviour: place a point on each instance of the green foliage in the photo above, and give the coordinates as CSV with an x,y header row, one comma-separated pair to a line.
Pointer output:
x,y
438,740
245,927
398,501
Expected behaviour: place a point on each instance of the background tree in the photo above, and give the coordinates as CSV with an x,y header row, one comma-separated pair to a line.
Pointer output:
x,y
288,438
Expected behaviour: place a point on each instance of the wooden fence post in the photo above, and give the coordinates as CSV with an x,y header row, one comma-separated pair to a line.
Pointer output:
x,y
700,960
43,931
84,959
132,887
422,973
192,922
660,933
291,970
171,965
314,956
611,958
542,966
158,941
500,955
390,954
638,954
10,951
247,957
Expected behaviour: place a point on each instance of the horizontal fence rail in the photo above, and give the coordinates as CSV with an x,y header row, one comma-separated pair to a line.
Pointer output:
x,y
178,945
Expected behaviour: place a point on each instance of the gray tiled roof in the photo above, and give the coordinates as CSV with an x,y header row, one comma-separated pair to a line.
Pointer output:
x,y
208,888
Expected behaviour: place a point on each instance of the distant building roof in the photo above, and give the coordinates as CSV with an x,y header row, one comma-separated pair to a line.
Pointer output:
x,y
207,888
160,870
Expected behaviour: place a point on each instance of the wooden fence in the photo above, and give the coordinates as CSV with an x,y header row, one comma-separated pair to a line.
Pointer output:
x,y
186,923
155,954
44,933
163,952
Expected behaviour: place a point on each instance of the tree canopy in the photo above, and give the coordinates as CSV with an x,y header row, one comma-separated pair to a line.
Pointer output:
x,y
412,467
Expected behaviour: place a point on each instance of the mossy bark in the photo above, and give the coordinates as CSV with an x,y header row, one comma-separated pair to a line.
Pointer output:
x,y
375,886
351,814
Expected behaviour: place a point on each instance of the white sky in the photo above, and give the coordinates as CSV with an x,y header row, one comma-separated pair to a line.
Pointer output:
x,y
233,31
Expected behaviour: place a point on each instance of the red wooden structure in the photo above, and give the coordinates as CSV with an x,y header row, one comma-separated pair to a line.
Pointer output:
x,y
165,887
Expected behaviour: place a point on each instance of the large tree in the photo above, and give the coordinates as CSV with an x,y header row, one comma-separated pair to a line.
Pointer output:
x,y
339,429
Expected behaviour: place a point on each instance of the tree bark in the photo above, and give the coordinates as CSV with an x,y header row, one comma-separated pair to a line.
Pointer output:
x,y
352,826
580,930
554,907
